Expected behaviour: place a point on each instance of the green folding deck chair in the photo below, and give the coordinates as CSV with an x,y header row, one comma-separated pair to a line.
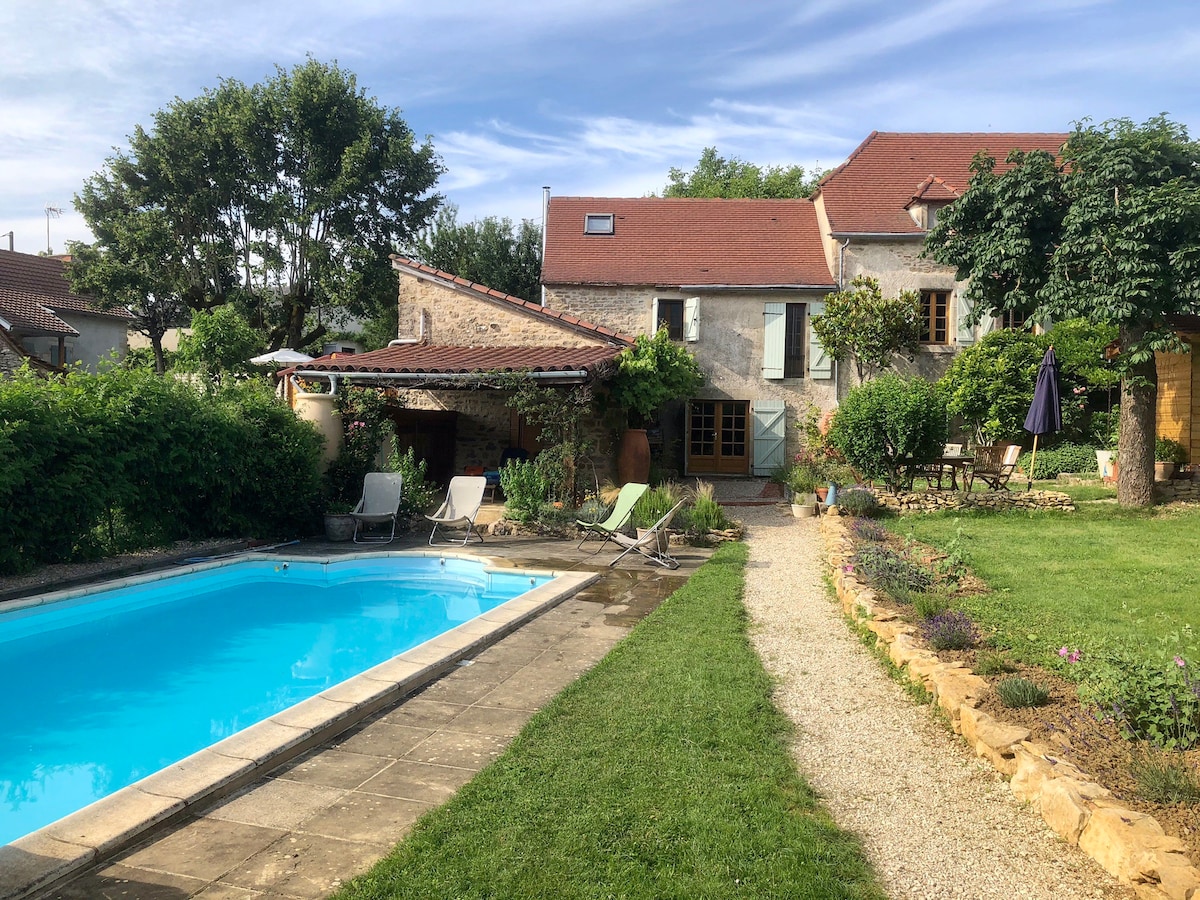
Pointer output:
x,y
619,517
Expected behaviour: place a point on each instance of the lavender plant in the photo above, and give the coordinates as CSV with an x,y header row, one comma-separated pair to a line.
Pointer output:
x,y
868,530
891,572
950,630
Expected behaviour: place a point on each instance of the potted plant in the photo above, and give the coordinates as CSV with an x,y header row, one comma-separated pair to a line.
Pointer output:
x,y
802,482
339,524
652,372
1168,454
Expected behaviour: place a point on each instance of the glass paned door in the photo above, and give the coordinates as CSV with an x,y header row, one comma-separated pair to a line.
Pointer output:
x,y
718,437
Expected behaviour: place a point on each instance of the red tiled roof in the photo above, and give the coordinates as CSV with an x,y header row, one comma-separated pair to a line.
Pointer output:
x,y
869,192
674,241
423,359
34,288
526,306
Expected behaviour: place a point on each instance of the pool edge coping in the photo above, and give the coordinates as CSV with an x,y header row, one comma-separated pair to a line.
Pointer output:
x,y
39,860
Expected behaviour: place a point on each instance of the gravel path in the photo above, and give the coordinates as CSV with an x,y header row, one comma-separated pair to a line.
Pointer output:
x,y
936,823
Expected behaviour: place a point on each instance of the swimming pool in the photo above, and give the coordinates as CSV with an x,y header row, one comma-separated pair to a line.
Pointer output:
x,y
118,682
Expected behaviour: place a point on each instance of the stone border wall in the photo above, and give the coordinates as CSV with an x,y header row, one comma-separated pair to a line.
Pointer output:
x,y
904,502
1130,845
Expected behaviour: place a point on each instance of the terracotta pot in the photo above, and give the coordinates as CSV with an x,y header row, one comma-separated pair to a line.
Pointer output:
x,y
633,457
822,493
1164,471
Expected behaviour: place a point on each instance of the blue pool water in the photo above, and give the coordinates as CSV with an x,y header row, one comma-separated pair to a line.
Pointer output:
x,y
104,689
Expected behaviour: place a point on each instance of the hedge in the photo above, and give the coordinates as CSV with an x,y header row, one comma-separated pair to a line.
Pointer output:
x,y
98,464
1063,458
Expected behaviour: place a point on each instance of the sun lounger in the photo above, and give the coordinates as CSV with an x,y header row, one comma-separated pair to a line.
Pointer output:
x,y
651,543
464,496
619,517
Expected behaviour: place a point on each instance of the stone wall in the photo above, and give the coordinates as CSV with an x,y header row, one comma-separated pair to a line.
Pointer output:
x,y
905,502
1130,845
455,318
1177,490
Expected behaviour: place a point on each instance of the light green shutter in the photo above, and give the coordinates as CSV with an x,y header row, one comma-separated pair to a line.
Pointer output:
x,y
770,434
819,363
691,319
966,331
774,338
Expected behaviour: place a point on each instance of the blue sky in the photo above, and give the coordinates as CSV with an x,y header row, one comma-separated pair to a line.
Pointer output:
x,y
595,97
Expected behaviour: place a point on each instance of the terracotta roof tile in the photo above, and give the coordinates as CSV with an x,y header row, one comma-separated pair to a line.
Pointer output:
x,y
34,288
526,306
672,241
426,359
869,192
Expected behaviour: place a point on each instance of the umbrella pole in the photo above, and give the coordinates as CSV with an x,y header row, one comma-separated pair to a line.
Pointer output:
x,y
1032,462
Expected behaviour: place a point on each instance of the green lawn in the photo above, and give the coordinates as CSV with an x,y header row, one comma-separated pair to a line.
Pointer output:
x,y
1100,577
663,772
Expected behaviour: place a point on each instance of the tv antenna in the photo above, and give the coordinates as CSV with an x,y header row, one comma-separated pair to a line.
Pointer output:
x,y
52,212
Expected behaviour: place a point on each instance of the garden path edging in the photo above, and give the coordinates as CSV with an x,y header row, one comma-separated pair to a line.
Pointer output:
x,y
1130,845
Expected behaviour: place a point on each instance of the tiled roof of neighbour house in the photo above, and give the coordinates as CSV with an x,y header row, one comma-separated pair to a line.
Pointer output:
x,y
484,292
34,288
870,192
428,360
676,241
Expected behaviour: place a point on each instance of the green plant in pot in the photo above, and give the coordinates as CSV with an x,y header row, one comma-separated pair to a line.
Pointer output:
x,y
652,372
1168,454
802,481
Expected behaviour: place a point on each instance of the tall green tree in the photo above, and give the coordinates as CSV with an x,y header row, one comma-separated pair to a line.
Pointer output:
x,y
733,178
282,196
868,326
1108,231
489,251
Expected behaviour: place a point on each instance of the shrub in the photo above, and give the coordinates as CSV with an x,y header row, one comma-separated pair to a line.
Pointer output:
x,y
857,501
95,464
1063,458
930,604
593,509
1168,450
889,571
868,530
1165,778
655,503
993,662
705,514
890,423
654,371
1020,693
950,630
525,490
1149,698
417,492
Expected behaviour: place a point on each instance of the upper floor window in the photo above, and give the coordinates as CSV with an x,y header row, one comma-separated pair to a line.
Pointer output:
x,y
598,223
670,316
935,310
793,341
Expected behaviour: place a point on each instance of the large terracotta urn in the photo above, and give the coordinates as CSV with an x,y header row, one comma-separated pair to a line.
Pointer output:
x,y
633,457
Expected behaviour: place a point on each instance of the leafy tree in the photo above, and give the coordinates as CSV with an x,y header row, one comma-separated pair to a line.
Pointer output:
x,y
716,176
222,343
131,265
890,424
652,372
281,196
1109,231
488,251
868,326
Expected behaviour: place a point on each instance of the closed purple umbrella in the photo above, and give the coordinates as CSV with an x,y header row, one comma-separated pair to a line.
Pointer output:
x,y
1045,412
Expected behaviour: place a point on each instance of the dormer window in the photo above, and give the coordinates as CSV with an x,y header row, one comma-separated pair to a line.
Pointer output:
x,y
598,223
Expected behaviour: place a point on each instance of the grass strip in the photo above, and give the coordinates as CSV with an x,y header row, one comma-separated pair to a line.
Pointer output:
x,y
663,772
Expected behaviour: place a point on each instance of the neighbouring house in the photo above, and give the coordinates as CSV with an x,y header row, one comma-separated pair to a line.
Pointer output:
x,y
13,356
737,281
455,336
876,208
39,313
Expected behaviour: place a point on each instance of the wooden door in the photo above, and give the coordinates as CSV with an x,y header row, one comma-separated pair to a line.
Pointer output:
x,y
718,437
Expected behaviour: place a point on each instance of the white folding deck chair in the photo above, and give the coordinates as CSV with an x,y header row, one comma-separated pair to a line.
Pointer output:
x,y
651,543
464,496
379,505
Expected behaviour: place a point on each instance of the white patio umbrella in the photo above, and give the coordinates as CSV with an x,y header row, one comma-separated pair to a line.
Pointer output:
x,y
284,356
